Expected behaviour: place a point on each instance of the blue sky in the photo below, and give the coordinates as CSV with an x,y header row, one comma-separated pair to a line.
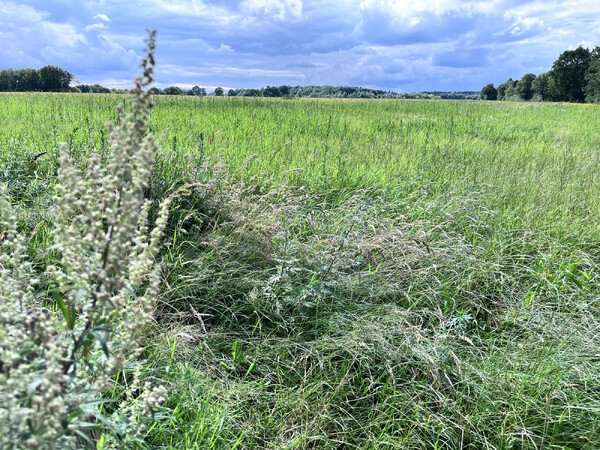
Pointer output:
x,y
399,45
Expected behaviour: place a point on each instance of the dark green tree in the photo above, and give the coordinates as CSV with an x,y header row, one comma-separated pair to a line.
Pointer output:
x,y
173,90
197,91
592,78
6,79
218,92
541,87
271,91
568,72
26,80
507,90
524,86
489,92
54,79
284,90
99,89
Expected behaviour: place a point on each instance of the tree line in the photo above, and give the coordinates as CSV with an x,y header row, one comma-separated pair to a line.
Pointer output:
x,y
283,91
574,77
325,91
55,79
46,79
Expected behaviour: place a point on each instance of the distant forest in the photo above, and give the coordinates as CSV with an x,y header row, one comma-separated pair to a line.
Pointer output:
x,y
55,79
46,79
317,92
574,77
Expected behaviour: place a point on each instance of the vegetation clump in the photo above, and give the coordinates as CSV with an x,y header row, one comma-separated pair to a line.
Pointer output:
x,y
573,78
60,354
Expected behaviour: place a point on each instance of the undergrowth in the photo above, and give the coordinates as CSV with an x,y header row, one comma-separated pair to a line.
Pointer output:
x,y
351,323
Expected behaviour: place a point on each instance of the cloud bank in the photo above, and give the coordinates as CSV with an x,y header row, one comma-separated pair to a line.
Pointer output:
x,y
385,44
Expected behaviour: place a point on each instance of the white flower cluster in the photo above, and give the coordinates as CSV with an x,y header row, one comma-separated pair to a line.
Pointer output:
x,y
58,355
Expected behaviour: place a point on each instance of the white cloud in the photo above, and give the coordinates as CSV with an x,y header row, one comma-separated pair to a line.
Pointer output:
x,y
281,10
223,49
390,44
408,10
62,34
525,25
102,17
96,26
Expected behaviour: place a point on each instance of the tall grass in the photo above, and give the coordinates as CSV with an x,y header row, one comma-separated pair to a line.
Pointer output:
x,y
358,274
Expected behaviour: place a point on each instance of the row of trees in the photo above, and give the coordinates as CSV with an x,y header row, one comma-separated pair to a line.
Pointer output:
x,y
93,89
574,77
46,79
55,79
325,91
283,91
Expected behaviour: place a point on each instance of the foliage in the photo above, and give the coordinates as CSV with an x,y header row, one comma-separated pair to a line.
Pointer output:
x,y
542,87
94,89
54,79
60,355
525,86
173,90
489,92
569,71
47,79
592,79
218,92
573,78
197,91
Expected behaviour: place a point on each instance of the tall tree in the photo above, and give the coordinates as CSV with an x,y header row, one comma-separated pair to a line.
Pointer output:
x,y
541,87
271,91
592,78
524,86
173,90
7,80
54,78
507,90
568,72
489,92
26,80
197,91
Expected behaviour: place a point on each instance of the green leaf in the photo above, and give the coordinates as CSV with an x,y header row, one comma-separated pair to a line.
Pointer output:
x,y
96,332
68,311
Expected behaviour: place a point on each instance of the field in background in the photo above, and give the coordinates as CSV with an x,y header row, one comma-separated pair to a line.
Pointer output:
x,y
358,274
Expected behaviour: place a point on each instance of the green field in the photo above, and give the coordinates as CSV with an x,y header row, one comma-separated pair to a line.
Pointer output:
x,y
356,274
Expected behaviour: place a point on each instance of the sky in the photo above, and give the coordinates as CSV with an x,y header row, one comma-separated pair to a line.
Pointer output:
x,y
398,45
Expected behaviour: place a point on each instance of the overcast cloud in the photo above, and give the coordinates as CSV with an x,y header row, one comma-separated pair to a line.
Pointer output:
x,y
398,45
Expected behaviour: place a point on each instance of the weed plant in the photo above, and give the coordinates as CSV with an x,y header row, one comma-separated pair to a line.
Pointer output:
x,y
74,332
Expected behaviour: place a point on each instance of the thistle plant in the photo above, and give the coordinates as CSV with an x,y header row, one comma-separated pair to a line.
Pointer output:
x,y
59,353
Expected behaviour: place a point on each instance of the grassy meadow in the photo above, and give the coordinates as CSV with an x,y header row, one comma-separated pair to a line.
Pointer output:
x,y
356,274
